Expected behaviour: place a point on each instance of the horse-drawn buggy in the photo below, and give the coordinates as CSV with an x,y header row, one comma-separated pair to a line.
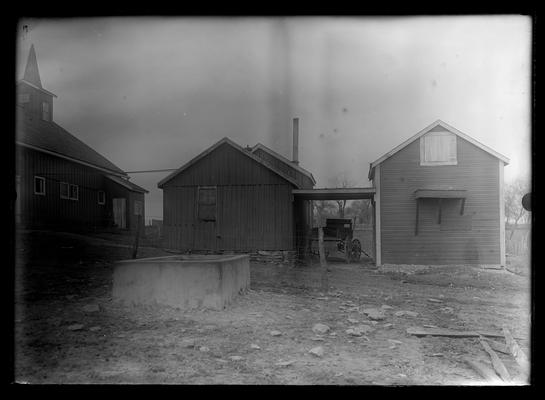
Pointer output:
x,y
338,231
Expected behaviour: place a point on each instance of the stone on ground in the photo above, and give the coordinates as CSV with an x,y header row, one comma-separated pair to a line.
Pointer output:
x,y
75,327
255,346
374,314
317,351
320,328
275,333
236,358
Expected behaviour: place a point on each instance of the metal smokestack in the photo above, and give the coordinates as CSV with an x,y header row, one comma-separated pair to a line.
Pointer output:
x,y
295,158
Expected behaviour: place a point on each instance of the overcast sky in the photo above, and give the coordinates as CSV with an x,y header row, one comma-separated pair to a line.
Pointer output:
x,y
152,93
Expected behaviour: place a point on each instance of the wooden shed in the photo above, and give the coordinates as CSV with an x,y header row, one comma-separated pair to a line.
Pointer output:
x,y
61,182
230,198
439,200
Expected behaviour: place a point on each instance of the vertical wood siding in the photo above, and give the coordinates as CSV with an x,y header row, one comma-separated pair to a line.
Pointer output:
x,y
51,210
254,206
473,238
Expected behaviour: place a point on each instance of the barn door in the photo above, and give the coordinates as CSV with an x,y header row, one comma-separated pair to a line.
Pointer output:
x,y
206,218
120,213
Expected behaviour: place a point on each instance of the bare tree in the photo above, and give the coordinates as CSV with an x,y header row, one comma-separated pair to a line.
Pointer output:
x,y
514,212
322,210
342,181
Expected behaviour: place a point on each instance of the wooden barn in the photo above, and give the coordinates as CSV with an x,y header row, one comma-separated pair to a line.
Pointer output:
x,y
439,200
60,181
230,198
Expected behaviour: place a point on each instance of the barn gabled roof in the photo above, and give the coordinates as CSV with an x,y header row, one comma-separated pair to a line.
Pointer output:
x,y
284,160
48,137
125,183
422,133
228,141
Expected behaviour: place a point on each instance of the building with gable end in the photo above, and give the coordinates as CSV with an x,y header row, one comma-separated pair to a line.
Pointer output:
x,y
439,200
61,182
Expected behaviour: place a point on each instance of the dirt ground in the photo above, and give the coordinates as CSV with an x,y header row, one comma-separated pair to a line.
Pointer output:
x,y
61,278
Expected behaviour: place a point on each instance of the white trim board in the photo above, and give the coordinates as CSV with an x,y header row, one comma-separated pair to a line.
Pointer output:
x,y
378,232
503,260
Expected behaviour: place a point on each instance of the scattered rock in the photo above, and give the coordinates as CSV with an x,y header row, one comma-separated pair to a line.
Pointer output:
x,y
388,326
430,326
408,313
204,349
317,351
187,343
332,333
374,314
435,300
275,333
284,363
447,310
352,332
386,307
317,339
221,360
91,308
75,327
395,341
322,298
353,321
255,346
289,317
95,328
359,330
320,328
236,358
437,355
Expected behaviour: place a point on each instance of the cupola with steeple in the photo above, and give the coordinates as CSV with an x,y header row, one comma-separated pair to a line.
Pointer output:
x,y
31,96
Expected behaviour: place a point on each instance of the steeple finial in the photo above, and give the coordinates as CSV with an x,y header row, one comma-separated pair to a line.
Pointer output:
x,y
32,74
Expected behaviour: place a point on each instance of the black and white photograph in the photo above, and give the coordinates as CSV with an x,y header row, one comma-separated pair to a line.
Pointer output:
x,y
273,200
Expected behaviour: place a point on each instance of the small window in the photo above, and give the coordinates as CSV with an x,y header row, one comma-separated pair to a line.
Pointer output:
x,y
101,197
438,148
23,98
74,192
207,203
45,111
39,185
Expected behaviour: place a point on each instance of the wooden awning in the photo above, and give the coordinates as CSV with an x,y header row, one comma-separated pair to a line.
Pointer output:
x,y
440,194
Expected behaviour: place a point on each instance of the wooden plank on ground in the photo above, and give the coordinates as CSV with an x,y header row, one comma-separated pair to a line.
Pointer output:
x,y
498,346
518,354
417,331
496,362
483,370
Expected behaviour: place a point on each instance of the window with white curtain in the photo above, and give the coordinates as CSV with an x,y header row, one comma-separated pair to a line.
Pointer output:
x,y
438,148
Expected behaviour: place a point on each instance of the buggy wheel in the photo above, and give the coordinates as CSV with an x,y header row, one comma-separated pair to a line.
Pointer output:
x,y
355,250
